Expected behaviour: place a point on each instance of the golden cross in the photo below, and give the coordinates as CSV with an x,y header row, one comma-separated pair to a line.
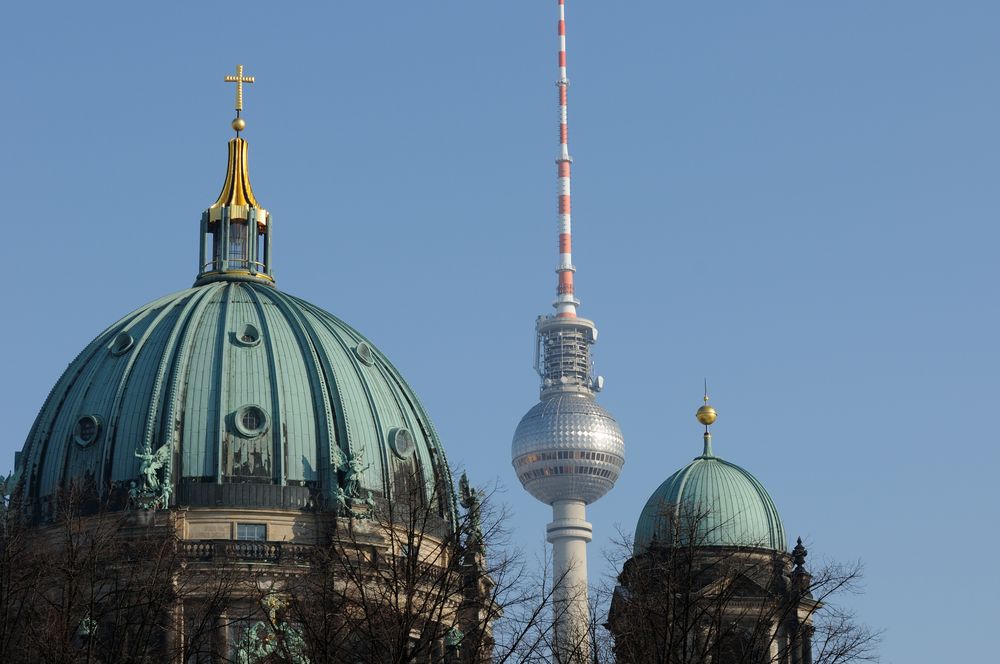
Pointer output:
x,y
239,80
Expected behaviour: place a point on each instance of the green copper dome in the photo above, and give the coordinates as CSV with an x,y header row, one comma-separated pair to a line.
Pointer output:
x,y
250,397
715,503
233,394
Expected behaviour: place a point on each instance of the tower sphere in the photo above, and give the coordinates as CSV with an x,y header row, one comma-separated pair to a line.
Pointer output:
x,y
568,448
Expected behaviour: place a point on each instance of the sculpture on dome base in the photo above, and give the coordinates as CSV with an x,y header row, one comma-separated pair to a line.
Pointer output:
x,y
349,496
268,640
154,492
471,500
453,641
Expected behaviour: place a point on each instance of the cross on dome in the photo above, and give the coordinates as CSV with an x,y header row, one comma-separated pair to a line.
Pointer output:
x,y
239,124
239,80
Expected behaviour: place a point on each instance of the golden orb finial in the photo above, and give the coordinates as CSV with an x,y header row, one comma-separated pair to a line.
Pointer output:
x,y
706,414
239,124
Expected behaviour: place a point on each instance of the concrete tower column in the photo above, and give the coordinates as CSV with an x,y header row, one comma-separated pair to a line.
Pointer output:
x,y
569,534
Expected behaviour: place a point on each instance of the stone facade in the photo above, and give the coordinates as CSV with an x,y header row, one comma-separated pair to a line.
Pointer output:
x,y
713,605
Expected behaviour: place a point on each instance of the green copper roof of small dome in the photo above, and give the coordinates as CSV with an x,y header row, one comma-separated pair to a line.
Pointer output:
x,y
716,503
259,397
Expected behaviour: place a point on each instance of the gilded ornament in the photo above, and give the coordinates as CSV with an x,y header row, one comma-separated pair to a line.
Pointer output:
x,y
707,415
239,80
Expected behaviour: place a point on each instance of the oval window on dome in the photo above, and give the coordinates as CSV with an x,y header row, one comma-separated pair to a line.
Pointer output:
x,y
86,431
401,441
122,343
251,421
248,335
365,353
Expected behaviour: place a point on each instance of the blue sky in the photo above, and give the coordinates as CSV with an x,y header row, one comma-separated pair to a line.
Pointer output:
x,y
794,200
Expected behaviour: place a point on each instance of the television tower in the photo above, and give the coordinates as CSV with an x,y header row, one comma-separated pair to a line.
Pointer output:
x,y
568,451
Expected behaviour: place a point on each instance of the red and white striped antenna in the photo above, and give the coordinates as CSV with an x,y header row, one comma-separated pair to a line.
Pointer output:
x,y
565,302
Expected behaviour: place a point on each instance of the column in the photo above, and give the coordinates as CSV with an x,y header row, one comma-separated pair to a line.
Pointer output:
x,y
569,533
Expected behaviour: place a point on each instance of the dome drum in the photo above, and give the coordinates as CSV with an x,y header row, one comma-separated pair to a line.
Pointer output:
x,y
209,494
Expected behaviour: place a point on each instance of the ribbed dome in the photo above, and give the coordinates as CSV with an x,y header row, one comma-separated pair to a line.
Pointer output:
x,y
718,502
257,395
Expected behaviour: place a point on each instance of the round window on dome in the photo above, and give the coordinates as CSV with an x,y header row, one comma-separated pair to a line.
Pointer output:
x,y
248,335
251,421
86,431
401,441
122,343
365,353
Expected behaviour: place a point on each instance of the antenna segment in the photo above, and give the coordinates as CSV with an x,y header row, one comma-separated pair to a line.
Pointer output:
x,y
565,302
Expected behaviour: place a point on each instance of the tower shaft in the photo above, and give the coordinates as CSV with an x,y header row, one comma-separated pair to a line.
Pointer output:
x,y
569,534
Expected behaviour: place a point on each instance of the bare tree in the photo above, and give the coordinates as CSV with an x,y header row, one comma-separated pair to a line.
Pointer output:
x,y
398,582
102,584
684,601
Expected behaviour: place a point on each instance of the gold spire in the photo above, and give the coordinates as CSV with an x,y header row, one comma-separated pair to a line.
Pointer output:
x,y
237,189
237,194
238,228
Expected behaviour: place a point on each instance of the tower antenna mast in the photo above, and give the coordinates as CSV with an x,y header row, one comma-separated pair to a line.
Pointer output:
x,y
566,302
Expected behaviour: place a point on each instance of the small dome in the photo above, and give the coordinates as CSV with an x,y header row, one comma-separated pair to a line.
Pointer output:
x,y
568,447
717,502
255,398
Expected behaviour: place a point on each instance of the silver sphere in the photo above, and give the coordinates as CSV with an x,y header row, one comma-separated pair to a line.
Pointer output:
x,y
568,448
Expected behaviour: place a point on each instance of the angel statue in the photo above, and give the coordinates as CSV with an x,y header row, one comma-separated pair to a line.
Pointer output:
x,y
352,470
341,499
470,500
150,467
